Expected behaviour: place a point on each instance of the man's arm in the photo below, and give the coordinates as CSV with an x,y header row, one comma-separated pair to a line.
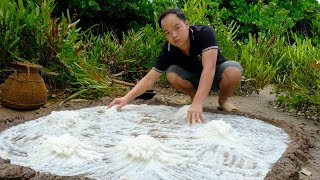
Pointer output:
x,y
209,59
143,85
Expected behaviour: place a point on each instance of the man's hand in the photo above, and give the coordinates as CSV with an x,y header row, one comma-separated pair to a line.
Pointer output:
x,y
120,101
145,83
195,114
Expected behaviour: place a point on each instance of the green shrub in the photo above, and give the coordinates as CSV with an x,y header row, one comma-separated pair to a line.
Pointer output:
x,y
84,58
302,82
92,60
195,11
22,31
161,5
29,33
228,45
257,60
275,16
111,15
135,55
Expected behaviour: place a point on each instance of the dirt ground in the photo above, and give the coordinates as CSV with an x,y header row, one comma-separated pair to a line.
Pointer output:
x,y
301,157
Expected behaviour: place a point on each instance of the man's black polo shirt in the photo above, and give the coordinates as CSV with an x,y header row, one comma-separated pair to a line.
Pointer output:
x,y
202,38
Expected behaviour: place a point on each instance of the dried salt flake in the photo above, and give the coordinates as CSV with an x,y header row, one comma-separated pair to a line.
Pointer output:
x,y
306,172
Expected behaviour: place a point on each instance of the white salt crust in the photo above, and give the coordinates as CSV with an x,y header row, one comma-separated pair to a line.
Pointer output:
x,y
145,142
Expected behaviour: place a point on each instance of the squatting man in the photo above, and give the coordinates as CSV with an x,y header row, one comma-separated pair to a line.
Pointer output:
x,y
193,65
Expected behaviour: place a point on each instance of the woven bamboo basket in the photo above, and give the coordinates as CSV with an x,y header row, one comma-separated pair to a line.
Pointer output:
x,y
25,88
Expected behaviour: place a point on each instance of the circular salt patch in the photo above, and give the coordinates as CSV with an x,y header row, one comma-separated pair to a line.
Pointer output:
x,y
144,142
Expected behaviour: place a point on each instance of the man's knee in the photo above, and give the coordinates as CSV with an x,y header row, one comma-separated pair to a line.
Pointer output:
x,y
172,73
232,75
172,77
179,77
177,81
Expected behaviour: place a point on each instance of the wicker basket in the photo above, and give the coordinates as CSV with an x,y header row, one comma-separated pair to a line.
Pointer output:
x,y
25,88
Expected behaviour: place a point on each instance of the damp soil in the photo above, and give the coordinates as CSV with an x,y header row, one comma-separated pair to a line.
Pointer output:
x,y
300,158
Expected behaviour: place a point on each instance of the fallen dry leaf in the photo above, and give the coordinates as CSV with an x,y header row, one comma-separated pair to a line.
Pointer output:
x,y
306,172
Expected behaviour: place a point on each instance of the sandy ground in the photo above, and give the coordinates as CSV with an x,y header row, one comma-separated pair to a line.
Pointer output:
x,y
301,157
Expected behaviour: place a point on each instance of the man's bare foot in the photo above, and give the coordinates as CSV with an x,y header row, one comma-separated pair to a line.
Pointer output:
x,y
228,107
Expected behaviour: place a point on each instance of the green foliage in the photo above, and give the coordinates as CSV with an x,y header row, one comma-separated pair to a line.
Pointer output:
x,y
66,56
299,55
256,57
130,52
92,60
300,101
23,25
29,33
117,15
275,16
315,26
153,40
161,5
195,11
226,33
270,59
135,55
91,81
269,56
302,73
81,57
227,43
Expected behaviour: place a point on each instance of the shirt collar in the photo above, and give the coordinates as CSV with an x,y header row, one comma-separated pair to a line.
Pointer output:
x,y
191,34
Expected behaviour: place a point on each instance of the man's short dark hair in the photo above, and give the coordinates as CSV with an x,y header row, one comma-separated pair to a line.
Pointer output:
x,y
176,11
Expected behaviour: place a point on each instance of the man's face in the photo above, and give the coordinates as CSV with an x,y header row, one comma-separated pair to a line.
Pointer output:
x,y
175,30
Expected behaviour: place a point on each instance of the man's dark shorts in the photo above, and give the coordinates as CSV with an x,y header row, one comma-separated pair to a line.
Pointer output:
x,y
194,78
